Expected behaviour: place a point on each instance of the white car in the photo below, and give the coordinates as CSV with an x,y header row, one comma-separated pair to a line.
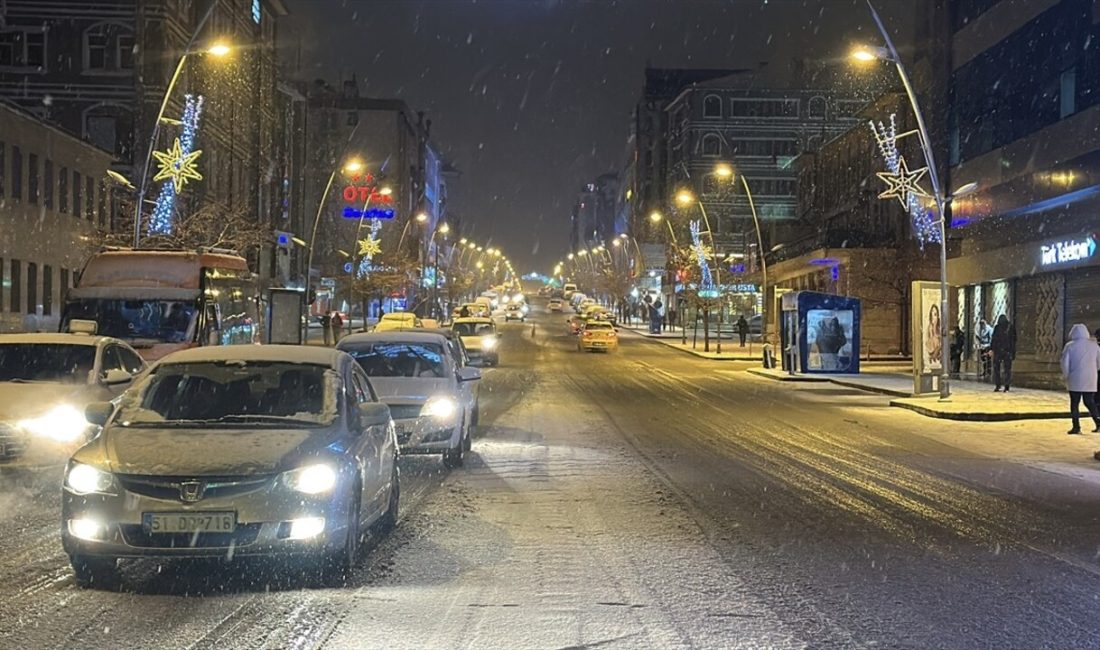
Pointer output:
x,y
479,336
46,380
433,401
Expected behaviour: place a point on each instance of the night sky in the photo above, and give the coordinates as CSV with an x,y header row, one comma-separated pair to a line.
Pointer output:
x,y
532,98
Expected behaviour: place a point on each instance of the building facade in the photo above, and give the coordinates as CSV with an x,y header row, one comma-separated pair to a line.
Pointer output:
x,y
53,199
99,70
1025,102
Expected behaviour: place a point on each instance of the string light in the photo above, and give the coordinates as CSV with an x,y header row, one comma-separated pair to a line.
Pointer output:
x,y
903,183
177,166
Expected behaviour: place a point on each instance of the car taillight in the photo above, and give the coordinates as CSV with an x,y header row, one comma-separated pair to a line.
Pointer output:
x,y
587,334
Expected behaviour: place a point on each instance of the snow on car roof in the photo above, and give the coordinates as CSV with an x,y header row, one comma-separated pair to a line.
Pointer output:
x,y
51,339
473,319
417,335
306,354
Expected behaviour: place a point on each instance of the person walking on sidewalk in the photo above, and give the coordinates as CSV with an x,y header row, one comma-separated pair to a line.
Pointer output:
x,y
1080,367
984,339
1003,346
337,326
742,329
958,347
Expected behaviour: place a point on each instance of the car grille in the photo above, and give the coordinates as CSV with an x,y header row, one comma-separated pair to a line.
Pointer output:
x,y
12,440
167,488
405,411
136,535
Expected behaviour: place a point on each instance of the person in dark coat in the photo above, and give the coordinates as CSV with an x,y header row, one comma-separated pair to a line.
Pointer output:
x,y
742,329
1003,346
464,312
958,347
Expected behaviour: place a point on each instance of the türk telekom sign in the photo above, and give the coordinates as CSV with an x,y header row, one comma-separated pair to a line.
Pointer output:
x,y
1067,251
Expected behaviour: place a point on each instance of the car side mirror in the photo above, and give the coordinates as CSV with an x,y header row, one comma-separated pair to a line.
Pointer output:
x,y
373,414
98,412
469,374
117,376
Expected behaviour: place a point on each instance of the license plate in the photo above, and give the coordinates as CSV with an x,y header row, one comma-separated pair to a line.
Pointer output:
x,y
190,522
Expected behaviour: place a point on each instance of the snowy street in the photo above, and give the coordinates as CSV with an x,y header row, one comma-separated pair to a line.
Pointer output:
x,y
639,499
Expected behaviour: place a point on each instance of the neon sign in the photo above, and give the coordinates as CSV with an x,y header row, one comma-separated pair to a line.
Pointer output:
x,y
369,213
1067,251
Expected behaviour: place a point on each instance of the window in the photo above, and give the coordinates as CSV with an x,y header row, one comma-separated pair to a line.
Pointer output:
x,y
16,278
32,178
102,203
89,198
817,108
108,48
712,145
47,185
110,127
1067,96
257,12
2,157
47,290
353,118
32,287
63,190
131,362
712,106
65,279
17,173
21,48
765,108
76,194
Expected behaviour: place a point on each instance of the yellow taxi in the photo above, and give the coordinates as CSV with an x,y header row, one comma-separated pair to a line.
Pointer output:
x,y
597,335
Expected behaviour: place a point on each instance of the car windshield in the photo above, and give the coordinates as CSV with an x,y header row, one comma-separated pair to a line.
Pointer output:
x,y
46,362
169,321
260,393
399,359
596,325
473,329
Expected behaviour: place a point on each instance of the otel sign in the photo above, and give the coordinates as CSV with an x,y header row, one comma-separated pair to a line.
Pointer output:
x,y
1071,250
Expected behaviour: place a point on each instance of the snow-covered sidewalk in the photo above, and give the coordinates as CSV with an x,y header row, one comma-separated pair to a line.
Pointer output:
x,y
969,400
731,350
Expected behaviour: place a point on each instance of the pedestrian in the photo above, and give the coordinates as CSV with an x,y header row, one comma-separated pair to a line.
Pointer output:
x,y
672,316
984,341
655,317
1003,346
337,326
742,329
1080,367
464,312
326,327
958,347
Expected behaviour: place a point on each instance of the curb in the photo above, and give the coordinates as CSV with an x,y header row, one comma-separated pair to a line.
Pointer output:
x,y
693,353
788,378
973,416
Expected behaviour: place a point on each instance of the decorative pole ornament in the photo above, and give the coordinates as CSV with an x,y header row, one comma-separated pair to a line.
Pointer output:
x,y
706,280
370,246
178,164
903,183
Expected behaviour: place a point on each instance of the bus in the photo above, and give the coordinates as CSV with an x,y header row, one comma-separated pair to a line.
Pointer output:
x,y
161,301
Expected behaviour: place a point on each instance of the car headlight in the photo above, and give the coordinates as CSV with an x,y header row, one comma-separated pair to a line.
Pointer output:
x,y
488,342
85,479
439,407
63,423
311,479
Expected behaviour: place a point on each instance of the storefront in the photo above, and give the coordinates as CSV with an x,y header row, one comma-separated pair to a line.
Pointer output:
x,y
1043,286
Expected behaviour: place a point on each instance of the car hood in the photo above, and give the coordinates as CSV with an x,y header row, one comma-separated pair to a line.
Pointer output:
x,y
409,389
20,401
204,452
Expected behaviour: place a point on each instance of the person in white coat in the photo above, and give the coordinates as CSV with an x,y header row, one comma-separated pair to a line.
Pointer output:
x,y
1080,365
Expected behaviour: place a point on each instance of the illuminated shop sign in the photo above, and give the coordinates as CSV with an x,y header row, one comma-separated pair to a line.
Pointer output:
x,y
369,213
1063,252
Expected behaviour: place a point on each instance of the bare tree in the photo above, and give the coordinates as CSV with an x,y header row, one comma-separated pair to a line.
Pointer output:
x,y
212,225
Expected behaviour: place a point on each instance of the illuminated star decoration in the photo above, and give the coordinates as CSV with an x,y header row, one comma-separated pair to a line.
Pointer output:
x,y
706,281
370,246
177,165
903,183
177,162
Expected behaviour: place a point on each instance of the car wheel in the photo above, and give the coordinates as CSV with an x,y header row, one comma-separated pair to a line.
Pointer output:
x,y
95,572
456,457
389,520
340,563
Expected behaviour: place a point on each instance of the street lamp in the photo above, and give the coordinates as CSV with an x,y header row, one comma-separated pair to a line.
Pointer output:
x,y
685,197
349,167
890,55
218,49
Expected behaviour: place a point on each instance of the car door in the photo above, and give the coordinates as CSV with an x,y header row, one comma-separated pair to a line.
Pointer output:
x,y
368,445
467,393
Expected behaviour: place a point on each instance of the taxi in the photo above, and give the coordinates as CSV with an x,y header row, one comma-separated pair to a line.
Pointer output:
x,y
598,335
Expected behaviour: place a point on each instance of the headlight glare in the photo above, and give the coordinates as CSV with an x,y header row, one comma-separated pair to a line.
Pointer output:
x,y
488,342
63,423
85,479
311,479
439,407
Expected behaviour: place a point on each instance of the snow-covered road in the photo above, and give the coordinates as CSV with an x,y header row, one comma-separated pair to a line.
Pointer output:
x,y
643,499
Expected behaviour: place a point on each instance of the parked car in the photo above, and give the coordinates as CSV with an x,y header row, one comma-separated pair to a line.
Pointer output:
x,y
598,335
397,320
555,304
433,400
233,451
479,335
46,381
